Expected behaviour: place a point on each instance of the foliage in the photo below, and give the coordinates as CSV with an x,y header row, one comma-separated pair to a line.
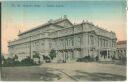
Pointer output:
x,y
97,58
2,58
36,55
114,58
11,62
27,61
46,58
15,57
85,59
124,60
52,54
8,62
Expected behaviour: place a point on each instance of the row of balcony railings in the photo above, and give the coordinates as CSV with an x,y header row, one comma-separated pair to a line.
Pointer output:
x,y
72,42
79,46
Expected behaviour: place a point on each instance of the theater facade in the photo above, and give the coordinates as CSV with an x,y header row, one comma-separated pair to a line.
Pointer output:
x,y
69,41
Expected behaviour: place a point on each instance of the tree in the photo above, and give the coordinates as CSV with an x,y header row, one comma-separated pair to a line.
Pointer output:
x,y
8,62
46,58
2,60
97,58
15,58
52,54
36,55
27,61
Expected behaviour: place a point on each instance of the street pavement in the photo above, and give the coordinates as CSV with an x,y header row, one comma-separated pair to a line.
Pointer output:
x,y
77,71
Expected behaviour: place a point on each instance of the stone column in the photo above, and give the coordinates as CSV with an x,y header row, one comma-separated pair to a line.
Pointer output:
x,y
85,44
61,56
75,54
81,53
78,54
88,45
64,56
58,55
72,54
99,51
107,55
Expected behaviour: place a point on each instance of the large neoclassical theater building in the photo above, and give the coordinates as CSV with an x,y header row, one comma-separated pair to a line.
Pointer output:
x,y
69,41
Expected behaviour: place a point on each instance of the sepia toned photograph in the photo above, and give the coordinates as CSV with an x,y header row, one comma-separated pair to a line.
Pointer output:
x,y
63,40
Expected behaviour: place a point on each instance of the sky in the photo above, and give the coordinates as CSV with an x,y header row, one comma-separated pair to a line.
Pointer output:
x,y
108,14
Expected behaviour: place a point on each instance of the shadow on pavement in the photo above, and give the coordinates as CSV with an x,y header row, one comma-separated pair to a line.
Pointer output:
x,y
98,76
50,75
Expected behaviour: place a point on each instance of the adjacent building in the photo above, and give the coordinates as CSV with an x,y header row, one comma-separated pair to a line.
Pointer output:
x,y
121,49
69,41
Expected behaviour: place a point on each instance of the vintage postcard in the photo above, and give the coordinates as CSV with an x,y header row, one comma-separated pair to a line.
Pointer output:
x,y
63,40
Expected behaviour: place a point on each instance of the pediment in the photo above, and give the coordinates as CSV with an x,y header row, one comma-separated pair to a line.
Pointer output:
x,y
53,27
65,23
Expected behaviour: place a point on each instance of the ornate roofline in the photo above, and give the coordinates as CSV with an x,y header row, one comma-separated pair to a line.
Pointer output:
x,y
46,24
